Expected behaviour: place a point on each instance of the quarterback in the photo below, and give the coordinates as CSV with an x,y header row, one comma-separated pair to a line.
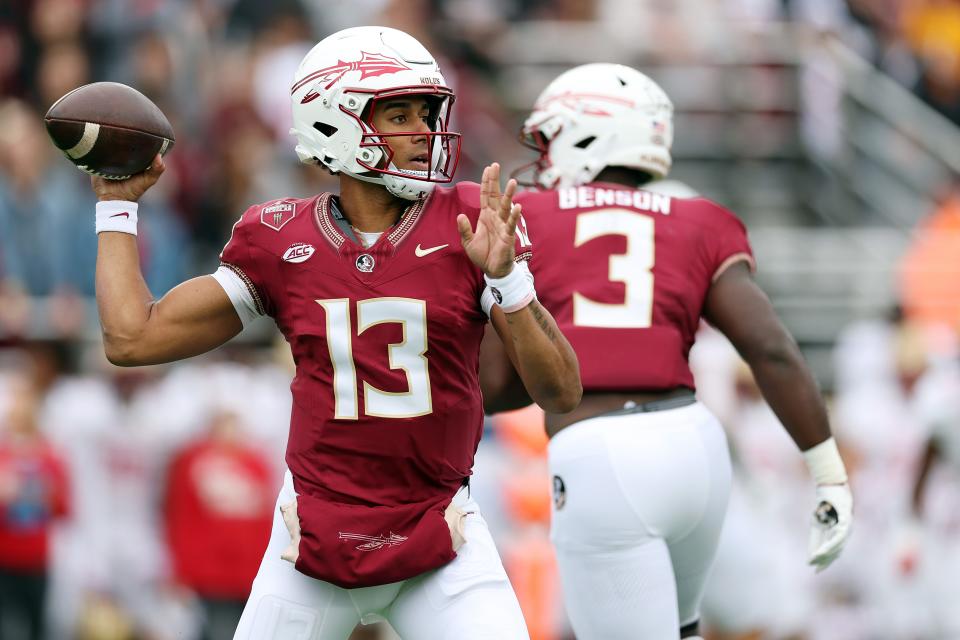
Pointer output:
x,y
641,471
377,290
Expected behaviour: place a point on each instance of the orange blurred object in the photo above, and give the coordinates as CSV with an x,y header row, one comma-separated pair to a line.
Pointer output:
x,y
527,494
930,270
532,568
522,431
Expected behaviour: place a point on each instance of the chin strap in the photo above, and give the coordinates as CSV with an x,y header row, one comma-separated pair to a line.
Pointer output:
x,y
411,188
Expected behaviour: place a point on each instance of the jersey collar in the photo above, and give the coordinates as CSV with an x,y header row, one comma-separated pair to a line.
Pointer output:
x,y
336,229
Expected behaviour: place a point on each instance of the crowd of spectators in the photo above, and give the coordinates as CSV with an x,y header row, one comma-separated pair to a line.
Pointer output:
x,y
917,42
219,70
115,467
135,503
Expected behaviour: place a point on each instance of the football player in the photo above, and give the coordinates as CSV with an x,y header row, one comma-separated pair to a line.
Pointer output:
x,y
641,471
377,290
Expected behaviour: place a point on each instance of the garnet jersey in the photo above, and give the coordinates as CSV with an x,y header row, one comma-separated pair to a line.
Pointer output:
x,y
625,273
387,411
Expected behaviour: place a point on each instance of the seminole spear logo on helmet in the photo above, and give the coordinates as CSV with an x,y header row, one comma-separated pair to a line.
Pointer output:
x,y
586,103
369,65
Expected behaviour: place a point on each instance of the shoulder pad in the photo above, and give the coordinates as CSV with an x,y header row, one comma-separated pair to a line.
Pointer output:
x,y
468,195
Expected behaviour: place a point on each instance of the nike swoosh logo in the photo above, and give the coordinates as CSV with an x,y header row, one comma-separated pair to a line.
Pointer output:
x,y
118,215
425,252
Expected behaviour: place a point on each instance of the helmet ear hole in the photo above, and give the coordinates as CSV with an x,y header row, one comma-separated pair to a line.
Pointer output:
x,y
586,142
326,129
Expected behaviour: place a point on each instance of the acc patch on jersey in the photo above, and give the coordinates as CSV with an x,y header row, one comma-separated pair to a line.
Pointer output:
x,y
298,252
277,215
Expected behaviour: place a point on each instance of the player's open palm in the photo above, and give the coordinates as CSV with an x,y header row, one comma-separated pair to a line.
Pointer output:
x,y
491,245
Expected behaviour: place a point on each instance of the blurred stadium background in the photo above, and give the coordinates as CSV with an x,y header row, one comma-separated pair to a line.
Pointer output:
x,y
134,504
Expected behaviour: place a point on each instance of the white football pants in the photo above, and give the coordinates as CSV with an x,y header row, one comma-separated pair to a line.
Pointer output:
x,y
639,518
468,599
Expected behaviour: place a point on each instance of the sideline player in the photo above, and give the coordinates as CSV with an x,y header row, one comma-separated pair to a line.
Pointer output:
x,y
641,471
377,291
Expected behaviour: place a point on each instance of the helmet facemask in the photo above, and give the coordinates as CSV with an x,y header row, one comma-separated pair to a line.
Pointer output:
x,y
376,156
535,173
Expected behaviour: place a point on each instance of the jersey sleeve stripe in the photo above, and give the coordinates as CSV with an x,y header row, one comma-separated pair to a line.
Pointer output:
x,y
732,260
241,291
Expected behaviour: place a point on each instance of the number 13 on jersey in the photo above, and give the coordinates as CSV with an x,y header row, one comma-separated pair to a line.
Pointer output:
x,y
407,355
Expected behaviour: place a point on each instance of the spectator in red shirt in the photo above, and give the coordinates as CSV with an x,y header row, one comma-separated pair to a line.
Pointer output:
x,y
219,509
33,495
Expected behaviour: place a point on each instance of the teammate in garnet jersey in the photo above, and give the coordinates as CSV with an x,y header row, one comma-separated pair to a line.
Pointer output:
x,y
641,471
377,290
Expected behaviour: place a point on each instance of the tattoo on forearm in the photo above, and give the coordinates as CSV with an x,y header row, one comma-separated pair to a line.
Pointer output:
x,y
540,315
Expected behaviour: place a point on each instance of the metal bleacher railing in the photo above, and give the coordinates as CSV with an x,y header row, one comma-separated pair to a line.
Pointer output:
x,y
828,161
885,158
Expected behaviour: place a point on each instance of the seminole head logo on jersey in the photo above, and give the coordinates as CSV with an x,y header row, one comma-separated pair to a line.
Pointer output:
x,y
365,262
369,65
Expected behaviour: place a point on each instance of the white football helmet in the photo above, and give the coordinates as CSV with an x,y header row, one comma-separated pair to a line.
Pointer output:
x,y
334,93
596,116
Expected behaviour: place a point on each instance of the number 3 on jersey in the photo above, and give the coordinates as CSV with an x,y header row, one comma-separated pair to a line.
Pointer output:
x,y
633,268
407,355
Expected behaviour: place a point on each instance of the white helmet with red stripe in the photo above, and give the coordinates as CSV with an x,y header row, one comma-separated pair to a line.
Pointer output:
x,y
596,116
334,93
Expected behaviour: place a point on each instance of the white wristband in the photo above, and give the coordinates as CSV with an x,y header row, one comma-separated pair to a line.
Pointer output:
x,y
825,463
487,301
117,215
512,292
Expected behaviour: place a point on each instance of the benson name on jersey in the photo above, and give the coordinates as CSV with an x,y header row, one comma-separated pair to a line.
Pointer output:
x,y
588,197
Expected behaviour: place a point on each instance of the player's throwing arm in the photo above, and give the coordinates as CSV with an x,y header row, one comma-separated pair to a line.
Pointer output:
x,y
192,318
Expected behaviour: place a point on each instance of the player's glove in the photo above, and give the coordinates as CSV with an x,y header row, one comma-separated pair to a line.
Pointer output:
x,y
833,513
831,524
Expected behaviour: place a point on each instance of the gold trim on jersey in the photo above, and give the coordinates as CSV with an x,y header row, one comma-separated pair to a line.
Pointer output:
x,y
326,225
732,260
407,222
249,284
335,237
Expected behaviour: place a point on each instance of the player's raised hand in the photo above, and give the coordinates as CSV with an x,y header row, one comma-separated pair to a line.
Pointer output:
x,y
831,524
491,245
131,189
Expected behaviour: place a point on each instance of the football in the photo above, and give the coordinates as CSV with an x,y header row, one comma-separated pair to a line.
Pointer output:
x,y
109,129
